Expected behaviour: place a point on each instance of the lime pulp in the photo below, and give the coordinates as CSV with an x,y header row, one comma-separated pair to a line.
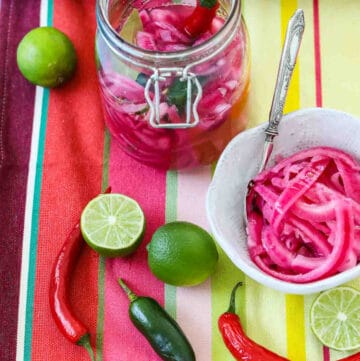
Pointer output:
x,y
334,318
113,224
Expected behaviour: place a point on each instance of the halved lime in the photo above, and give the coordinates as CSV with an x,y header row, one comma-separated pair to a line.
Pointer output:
x,y
113,224
335,318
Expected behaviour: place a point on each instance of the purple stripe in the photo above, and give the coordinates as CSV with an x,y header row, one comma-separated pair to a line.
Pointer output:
x,y
17,17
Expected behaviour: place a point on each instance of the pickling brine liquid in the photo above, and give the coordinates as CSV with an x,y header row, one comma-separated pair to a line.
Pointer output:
x,y
162,29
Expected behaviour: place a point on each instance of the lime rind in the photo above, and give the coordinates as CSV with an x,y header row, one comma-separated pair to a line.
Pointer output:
x,y
182,254
335,318
46,57
113,224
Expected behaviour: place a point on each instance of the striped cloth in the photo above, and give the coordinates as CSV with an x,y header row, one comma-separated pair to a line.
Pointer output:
x,y
55,154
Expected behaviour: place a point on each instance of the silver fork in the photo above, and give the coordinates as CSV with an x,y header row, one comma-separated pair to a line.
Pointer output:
x,y
294,33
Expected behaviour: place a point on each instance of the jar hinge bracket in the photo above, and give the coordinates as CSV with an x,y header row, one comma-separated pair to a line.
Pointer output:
x,y
161,75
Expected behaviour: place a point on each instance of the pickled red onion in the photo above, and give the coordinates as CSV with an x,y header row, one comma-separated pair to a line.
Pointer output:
x,y
304,216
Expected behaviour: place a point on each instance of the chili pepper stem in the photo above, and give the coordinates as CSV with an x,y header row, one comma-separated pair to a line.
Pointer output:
x,y
85,342
231,308
131,295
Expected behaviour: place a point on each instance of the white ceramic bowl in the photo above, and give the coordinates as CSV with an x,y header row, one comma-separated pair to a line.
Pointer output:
x,y
239,163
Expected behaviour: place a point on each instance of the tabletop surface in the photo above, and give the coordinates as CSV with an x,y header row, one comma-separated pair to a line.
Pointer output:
x,y
55,155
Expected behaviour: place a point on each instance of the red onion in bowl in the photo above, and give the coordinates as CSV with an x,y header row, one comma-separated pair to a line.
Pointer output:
x,y
310,200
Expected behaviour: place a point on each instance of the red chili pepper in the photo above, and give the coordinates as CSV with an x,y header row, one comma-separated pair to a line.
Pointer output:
x,y
72,328
201,18
68,324
241,346
355,357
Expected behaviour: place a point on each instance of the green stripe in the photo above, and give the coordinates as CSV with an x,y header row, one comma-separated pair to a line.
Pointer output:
x,y
100,315
213,168
35,229
106,159
50,13
222,282
171,196
102,261
170,216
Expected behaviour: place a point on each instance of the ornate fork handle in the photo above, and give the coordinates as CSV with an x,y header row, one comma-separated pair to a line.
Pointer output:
x,y
289,54
291,47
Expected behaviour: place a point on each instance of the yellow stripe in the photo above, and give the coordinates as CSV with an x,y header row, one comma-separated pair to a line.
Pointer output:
x,y
294,304
293,98
306,61
262,19
295,328
340,65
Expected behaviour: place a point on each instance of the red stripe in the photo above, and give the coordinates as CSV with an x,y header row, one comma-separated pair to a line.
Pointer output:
x,y
318,90
318,81
148,186
72,175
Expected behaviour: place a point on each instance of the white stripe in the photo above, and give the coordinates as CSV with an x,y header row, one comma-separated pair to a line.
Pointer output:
x,y
39,94
28,225
44,13
194,303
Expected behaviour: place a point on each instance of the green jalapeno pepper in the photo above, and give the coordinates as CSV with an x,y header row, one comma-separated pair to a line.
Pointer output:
x,y
160,329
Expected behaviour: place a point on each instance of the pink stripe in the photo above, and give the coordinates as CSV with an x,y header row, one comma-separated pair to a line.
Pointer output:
x,y
147,186
326,353
194,303
318,81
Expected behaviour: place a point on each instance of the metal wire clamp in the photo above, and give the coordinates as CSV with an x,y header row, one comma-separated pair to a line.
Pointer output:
x,y
193,87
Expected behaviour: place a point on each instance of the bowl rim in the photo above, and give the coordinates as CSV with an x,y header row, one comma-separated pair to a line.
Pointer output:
x,y
254,272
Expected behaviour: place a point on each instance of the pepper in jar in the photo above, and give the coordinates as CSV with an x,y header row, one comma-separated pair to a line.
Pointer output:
x,y
201,18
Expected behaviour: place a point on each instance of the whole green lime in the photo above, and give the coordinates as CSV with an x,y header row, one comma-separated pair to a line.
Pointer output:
x,y
46,57
182,254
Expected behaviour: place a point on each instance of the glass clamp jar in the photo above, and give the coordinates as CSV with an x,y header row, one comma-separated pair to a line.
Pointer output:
x,y
172,100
